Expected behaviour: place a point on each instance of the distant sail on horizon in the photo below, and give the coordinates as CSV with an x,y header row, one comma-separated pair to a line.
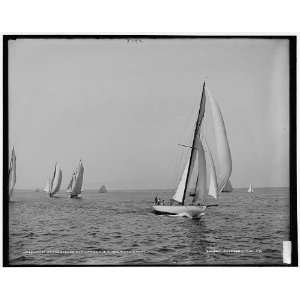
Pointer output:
x,y
12,172
250,189
102,189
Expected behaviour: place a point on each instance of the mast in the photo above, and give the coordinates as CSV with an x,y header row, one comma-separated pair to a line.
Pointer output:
x,y
198,123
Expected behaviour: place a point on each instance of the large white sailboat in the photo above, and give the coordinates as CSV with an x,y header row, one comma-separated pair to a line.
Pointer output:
x,y
210,182
75,185
53,184
12,172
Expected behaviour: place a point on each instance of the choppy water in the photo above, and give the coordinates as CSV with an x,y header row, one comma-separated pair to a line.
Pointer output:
x,y
120,228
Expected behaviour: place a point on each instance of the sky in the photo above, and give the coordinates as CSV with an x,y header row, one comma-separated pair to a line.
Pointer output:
x,y
123,106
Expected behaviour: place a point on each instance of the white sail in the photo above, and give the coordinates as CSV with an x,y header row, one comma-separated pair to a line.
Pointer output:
x,y
228,187
47,187
78,180
12,172
56,182
178,196
201,184
250,189
70,185
213,186
223,150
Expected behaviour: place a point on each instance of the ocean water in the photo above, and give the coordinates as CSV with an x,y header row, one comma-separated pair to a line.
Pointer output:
x,y
119,228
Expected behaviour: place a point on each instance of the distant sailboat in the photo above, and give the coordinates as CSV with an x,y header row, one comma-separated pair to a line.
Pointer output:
x,y
207,183
75,185
102,189
228,187
12,172
53,184
250,189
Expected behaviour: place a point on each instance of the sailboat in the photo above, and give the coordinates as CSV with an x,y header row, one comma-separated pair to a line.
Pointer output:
x,y
75,185
228,187
102,189
54,182
250,189
208,184
12,172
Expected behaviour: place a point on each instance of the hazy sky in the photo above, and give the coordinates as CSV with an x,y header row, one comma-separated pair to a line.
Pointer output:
x,y
122,107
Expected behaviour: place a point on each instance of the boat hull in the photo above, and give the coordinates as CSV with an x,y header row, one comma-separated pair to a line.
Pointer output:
x,y
190,211
75,196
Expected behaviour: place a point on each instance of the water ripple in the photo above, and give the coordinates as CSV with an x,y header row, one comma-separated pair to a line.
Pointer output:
x,y
120,228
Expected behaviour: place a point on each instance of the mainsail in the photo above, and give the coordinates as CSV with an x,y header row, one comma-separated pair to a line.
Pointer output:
x,y
54,182
223,150
12,172
69,187
75,184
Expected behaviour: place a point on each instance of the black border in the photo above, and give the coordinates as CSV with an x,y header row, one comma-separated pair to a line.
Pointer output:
x,y
293,140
